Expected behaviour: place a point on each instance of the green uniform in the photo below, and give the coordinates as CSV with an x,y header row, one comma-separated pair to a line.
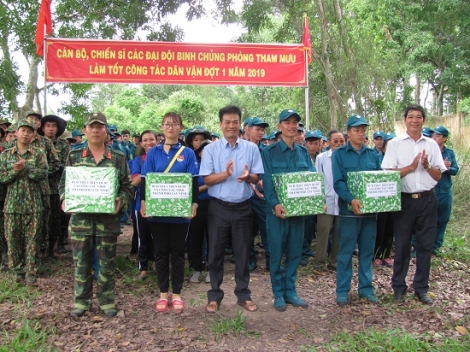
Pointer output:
x,y
87,230
23,206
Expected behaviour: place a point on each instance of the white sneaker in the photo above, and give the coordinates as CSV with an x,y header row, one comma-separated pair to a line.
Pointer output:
x,y
208,279
195,277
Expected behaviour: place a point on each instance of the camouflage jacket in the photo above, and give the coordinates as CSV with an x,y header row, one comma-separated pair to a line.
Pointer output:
x,y
53,163
111,158
61,148
23,188
3,188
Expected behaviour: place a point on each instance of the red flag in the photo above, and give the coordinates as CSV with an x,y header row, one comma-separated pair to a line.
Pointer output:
x,y
306,41
44,19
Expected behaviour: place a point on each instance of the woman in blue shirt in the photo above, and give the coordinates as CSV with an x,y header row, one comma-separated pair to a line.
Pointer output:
x,y
148,140
169,233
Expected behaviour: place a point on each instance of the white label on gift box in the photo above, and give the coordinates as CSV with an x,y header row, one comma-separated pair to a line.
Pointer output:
x,y
169,191
304,189
92,188
381,189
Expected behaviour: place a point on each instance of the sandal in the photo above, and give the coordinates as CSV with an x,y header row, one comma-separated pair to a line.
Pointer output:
x,y
161,306
177,305
212,307
248,305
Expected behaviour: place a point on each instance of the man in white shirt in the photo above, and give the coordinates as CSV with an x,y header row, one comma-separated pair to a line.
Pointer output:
x,y
326,221
420,163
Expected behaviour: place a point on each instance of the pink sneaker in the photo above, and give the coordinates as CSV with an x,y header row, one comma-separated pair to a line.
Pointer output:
x,y
377,262
388,262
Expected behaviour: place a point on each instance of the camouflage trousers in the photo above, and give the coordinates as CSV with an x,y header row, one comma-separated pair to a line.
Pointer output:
x,y
43,237
22,234
3,240
55,219
82,247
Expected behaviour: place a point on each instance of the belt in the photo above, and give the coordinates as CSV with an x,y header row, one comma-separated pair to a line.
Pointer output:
x,y
231,206
418,194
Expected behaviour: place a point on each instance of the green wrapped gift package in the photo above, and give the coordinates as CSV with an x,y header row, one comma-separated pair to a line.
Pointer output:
x,y
90,189
378,191
301,193
168,194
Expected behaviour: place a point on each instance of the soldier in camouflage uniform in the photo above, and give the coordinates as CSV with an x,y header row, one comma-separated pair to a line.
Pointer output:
x,y
3,191
52,127
53,166
22,168
87,230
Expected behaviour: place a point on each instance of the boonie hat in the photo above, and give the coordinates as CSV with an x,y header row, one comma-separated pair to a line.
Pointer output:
x,y
97,117
356,120
196,130
60,122
441,130
285,114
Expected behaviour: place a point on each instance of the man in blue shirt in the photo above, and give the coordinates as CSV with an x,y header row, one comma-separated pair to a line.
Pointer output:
x,y
230,166
444,186
285,235
353,226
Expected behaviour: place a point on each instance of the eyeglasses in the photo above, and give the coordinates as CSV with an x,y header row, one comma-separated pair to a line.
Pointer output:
x,y
170,125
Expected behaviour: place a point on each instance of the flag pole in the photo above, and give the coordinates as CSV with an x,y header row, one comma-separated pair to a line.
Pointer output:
x,y
44,50
307,112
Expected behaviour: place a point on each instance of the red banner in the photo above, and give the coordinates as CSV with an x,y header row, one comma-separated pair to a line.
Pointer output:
x,y
103,61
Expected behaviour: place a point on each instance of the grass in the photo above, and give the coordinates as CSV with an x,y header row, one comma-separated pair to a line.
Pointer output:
x,y
11,291
228,326
391,341
30,337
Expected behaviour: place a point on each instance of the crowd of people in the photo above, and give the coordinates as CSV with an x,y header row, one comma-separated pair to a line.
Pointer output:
x,y
233,201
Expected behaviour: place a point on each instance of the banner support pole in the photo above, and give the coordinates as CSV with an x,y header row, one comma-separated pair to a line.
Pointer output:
x,y
44,54
307,112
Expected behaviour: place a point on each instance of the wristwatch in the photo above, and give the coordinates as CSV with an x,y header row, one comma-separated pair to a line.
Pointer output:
x,y
429,166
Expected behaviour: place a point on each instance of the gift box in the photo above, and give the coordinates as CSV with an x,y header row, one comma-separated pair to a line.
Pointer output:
x,y
168,194
91,189
378,191
301,193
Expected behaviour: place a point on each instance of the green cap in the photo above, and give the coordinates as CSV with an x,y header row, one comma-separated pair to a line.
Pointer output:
x,y
34,113
356,120
96,117
5,122
25,123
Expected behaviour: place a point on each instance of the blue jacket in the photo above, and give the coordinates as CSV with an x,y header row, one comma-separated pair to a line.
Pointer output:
x,y
445,183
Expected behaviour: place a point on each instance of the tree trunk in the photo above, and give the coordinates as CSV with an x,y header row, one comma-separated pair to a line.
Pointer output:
x,y
440,101
417,90
31,88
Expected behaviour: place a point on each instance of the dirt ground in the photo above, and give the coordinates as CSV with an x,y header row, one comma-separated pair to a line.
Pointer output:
x,y
139,328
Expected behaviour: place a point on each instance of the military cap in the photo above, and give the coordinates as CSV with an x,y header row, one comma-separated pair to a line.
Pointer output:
x,y
125,132
427,132
216,135
77,133
136,134
61,124
272,136
388,136
241,130
34,113
285,114
116,133
96,117
67,136
5,122
356,120
11,129
113,127
315,134
256,121
300,129
441,130
265,137
247,121
25,123
378,134
324,139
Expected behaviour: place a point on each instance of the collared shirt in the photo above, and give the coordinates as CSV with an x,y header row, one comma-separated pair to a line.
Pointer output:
x,y
346,159
445,183
215,159
279,158
323,165
401,152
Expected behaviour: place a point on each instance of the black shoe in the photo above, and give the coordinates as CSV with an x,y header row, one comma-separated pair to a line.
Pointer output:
x,y
232,259
110,313
424,298
252,266
77,312
399,296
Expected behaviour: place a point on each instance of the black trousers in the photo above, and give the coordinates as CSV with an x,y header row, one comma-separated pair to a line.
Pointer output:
x,y
417,216
226,222
384,239
145,242
197,231
169,241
